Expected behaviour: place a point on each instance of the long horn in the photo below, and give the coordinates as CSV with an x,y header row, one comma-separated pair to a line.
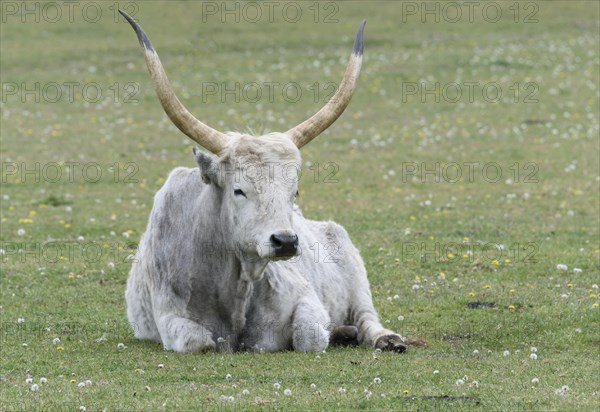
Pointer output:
x,y
315,125
204,135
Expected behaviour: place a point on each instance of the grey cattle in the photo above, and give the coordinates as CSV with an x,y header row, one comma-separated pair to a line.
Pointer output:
x,y
227,259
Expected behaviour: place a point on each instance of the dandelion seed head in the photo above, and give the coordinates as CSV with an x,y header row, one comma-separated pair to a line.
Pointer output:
x,y
533,356
287,392
535,381
377,381
34,388
505,353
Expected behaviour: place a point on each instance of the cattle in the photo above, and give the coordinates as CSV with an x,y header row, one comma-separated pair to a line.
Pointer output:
x,y
225,262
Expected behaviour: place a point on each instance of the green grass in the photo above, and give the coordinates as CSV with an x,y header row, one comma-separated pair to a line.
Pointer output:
x,y
391,217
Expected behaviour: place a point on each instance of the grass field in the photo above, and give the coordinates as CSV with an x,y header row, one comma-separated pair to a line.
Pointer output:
x,y
462,201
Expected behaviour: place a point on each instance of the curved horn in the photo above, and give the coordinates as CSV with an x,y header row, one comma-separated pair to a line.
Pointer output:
x,y
315,125
204,135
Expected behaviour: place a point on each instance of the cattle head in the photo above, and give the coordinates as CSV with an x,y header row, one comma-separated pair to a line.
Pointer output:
x,y
256,176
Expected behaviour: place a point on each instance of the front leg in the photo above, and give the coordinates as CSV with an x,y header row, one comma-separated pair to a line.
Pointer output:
x,y
370,330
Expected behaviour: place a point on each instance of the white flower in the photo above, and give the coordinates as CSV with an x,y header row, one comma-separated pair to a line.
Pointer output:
x,y
111,265
594,286
505,353
121,346
277,386
230,399
28,380
125,234
245,392
80,238
43,380
34,388
82,408
341,390
81,384
533,349
377,381
24,345
21,320
396,297
562,267
533,356
160,366
435,372
55,341
21,232
577,270
88,383
401,318
475,352
368,393
287,392
565,388
459,382
415,287
535,381
313,386
228,377
564,296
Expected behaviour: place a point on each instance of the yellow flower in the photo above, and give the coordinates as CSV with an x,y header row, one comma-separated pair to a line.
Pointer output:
x,y
405,391
595,305
450,255
472,294
511,307
32,213
487,286
60,348
495,262
506,260
512,290
569,285
72,381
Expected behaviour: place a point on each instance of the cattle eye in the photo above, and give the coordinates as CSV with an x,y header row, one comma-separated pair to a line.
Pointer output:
x,y
239,192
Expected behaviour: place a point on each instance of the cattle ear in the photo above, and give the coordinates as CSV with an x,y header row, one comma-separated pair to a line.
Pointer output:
x,y
207,164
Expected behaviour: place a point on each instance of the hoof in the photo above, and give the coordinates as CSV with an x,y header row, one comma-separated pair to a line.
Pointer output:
x,y
345,336
391,342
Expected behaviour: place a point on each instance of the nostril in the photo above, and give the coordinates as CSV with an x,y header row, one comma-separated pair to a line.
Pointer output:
x,y
276,241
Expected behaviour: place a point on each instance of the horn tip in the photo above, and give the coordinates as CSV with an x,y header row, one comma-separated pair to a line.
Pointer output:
x,y
358,41
142,37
